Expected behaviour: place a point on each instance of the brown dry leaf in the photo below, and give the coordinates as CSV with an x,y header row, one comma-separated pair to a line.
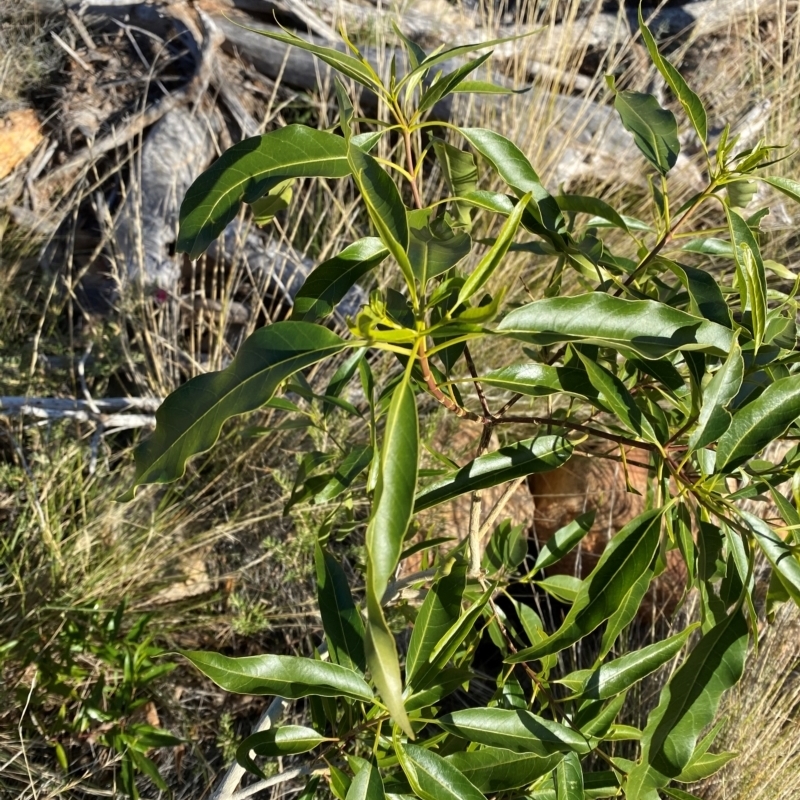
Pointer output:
x,y
20,133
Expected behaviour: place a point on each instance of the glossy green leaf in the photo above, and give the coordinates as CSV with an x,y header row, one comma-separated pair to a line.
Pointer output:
x,y
714,418
284,676
620,674
341,620
495,769
327,285
277,199
391,514
569,778
591,205
246,171
788,186
447,83
486,87
751,269
760,422
514,168
709,246
564,588
564,540
780,554
287,740
492,258
539,380
460,173
432,777
704,767
367,785
626,559
688,703
434,247
654,129
645,327
514,729
540,454
705,296
438,613
188,422
351,466
692,105
444,683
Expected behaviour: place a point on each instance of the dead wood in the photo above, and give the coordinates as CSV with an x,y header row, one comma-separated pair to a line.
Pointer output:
x,y
117,413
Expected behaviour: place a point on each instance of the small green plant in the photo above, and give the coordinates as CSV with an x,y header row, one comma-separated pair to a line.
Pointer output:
x,y
99,676
686,373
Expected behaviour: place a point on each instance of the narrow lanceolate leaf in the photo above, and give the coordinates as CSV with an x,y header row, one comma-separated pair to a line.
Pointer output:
x,y
367,785
384,205
514,729
591,205
447,83
564,540
440,610
287,740
541,454
625,560
714,417
645,327
514,168
491,260
189,420
692,105
460,173
284,676
687,705
391,513
539,380
613,395
756,281
786,185
246,171
698,769
495,769
486,87
654,128
780,555
759,423
433,778
620,674
327,285
625,613
341,620
569,778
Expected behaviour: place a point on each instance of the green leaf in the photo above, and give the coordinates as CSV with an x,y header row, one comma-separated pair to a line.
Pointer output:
x,y
645,327
539,380
514,168
440,610
445,683
614,396
569,778
391,514
564,540
433,778
447,83
277,199
189,420
752,271
591,205
780,554
341,620
367,785
786,185
625,613
247,171
760,422
692,105
704,767
416,55
654,128
327,285
284,676
705,297
688,703
620,674
495,769
434,247
564,588
460,173
486,87
625,561
491,260
352,465
714,418
540,454
287,740
514,729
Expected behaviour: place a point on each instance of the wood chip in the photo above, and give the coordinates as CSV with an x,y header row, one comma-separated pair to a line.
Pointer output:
x,y
20,133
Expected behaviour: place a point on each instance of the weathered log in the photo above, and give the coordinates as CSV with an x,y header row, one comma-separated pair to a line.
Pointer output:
x,y
119,413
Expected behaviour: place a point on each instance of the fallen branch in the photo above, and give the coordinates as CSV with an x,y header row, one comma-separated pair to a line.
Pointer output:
x,y
119,413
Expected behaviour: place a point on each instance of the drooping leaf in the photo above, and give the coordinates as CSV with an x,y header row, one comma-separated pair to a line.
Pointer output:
x,y
705,297
564,540
495,769
688,703
692,105
284,676
341,620
698,769
433,778
367,785
779,553
540,454
645,327
654,129
286,740
460,173
760,422
514,729
788,186
434,247
447,83
440,610
626,559
539,380
591,205
246,171
569,778
714,418
188,422
391,514
327,285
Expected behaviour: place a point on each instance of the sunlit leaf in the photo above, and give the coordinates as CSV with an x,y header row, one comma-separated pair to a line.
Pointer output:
x,y
433,778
